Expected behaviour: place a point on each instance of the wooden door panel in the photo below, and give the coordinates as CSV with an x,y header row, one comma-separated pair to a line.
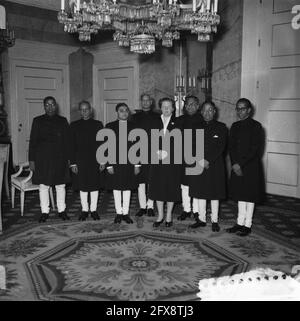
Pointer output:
x,y
115,85
283,88
33,85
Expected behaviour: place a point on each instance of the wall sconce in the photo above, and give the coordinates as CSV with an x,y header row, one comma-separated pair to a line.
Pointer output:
x,y
183,89
7,36
204,77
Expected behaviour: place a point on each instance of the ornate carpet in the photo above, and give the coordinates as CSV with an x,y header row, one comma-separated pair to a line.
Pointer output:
x,y
100,260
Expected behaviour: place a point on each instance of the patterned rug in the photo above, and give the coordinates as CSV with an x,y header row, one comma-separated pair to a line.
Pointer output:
x,y
103,261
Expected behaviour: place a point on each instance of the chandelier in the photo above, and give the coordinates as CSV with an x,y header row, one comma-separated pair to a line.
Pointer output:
x,y
138,26
7,36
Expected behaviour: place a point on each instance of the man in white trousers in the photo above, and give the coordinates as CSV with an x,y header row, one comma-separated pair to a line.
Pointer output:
x,y
48,157
87,176
144,119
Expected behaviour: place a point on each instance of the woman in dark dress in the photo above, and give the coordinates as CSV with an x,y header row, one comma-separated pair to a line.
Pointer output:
x,y
210,184
86,171
165,177
245,148
121,178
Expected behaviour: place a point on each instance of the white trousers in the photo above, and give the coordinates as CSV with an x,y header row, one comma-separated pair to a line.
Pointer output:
x,y
118,195
186,200
245,213
214,210
84,201
60,198
143,198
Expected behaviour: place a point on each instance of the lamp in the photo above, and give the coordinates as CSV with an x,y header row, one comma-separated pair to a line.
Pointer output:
x,y
161,19
204,76
7,36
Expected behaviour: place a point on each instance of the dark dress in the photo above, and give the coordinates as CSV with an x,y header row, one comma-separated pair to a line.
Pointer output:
x,y
165,179
123,178
48,148
83,150
143,120
245,148
187,122
211,184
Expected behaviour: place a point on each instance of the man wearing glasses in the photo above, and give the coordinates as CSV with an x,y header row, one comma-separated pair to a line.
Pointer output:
x,y
48,157
246,182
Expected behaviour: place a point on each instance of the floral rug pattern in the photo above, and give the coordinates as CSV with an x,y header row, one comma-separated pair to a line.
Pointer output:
x,y
105,261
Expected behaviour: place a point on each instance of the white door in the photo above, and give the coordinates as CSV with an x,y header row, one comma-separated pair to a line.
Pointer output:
x,y
276,89
33,84
114,85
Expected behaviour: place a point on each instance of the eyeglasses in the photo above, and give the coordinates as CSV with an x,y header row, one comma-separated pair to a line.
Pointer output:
x,y
50,104
241,109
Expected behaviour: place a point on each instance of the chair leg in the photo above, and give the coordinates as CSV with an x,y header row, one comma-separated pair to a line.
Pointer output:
x,y
22,202
7,187
52,198
13,196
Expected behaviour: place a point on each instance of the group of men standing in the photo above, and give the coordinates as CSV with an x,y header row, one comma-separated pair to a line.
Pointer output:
x,y
59,152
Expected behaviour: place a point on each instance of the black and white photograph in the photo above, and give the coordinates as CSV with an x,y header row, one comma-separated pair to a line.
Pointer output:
x,y
150,152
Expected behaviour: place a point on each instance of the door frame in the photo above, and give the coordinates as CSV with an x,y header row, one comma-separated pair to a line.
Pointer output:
x,y
97,100
65,103
256,66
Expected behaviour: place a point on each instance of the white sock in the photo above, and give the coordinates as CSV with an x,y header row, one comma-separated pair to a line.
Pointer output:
x,y
94,201
214,210
118,201
202,210
142,195
44,198
242,213
126,201
84,201
61,197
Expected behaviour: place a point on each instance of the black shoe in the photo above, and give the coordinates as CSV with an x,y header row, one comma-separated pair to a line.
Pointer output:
x,y
43,218
141,212
196,216
63,215
183,216
157,223
198,224
95,216
215,227
169,224
83,216
118,219
127,219
244,232
150,212
235,228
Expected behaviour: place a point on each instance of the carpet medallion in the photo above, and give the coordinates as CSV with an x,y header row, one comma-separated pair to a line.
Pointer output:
x,y
106,261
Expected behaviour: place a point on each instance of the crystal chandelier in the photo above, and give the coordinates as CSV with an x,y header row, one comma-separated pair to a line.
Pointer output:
x,y
7,36
137,26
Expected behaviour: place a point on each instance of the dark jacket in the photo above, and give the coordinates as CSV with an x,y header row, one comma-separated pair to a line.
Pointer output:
x,y
211,183
49,149
245,149
83,150
123,177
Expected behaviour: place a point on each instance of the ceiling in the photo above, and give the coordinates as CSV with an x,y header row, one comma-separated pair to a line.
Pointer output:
x,y
46,4
55,4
